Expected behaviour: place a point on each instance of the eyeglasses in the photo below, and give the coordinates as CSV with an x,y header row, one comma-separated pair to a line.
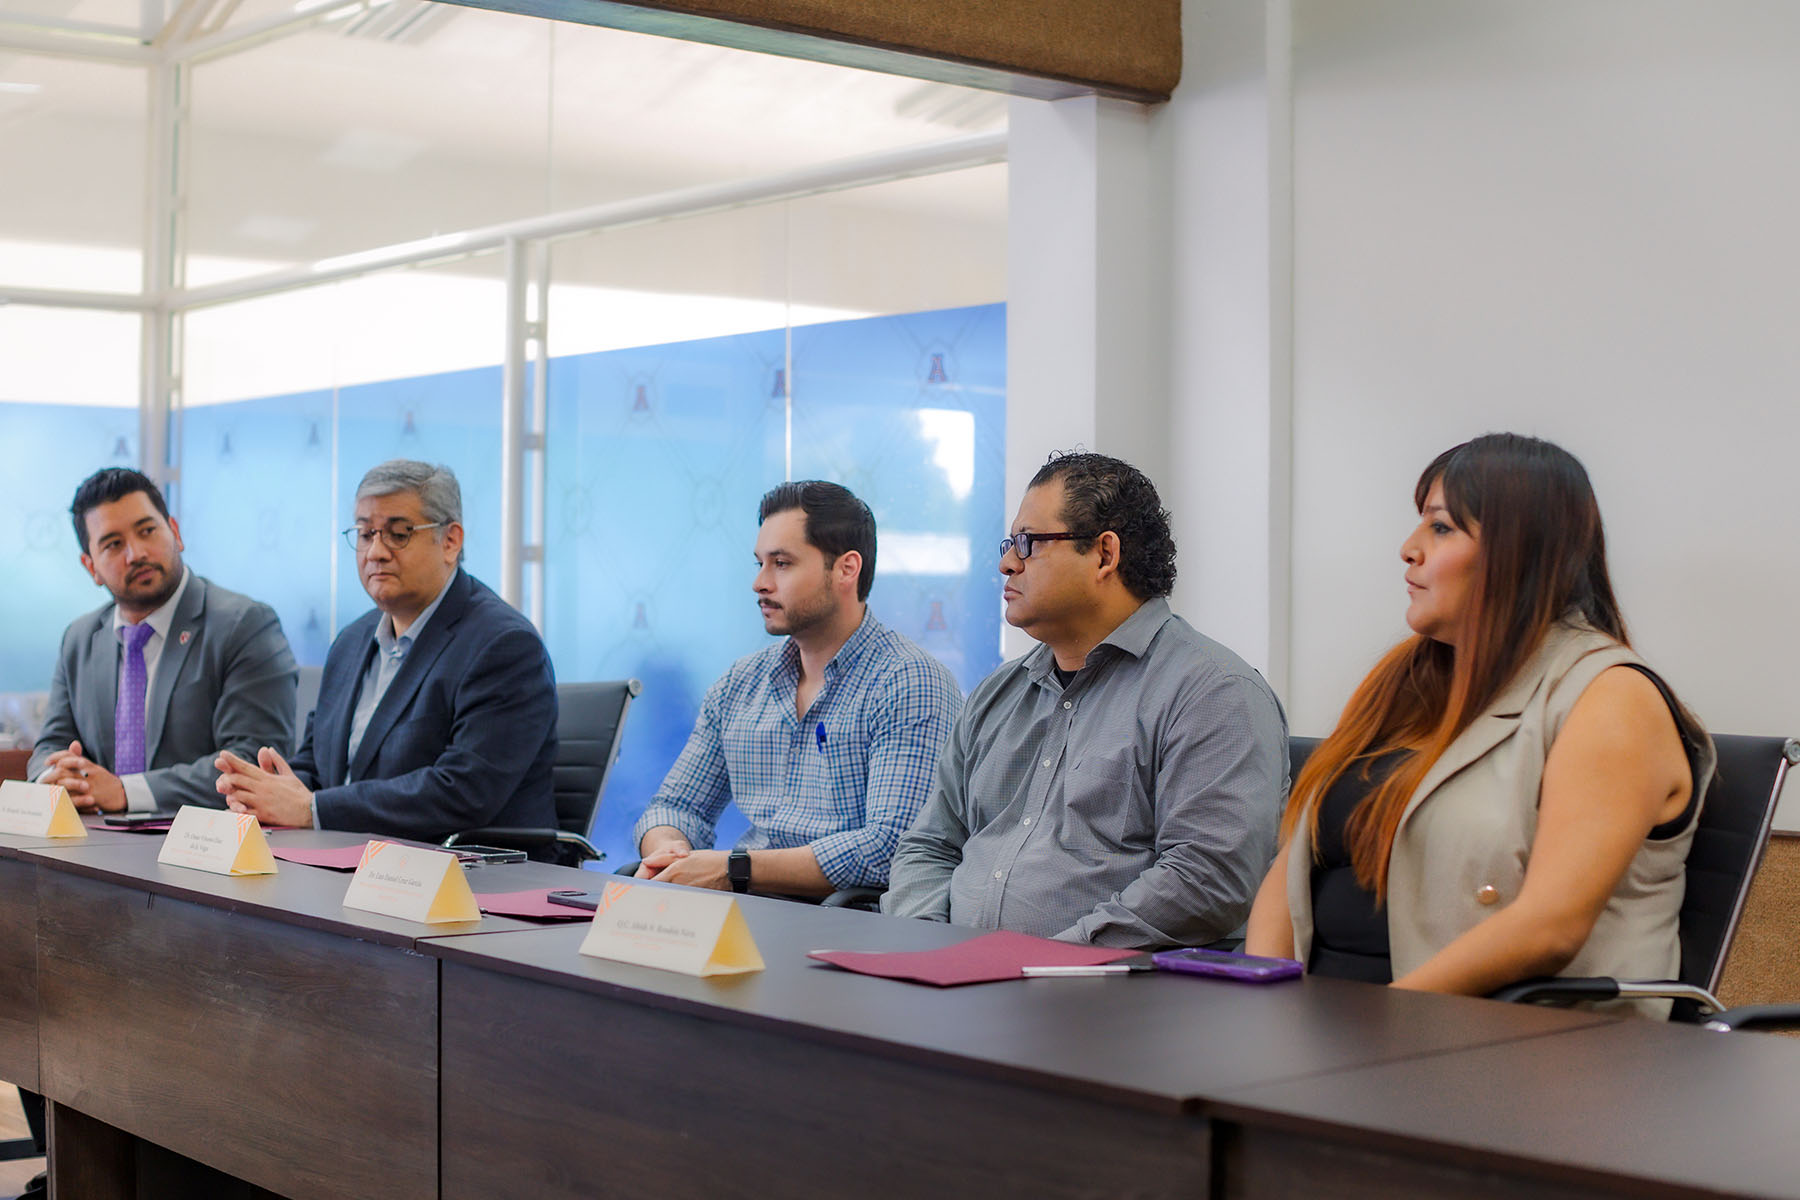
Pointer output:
x,y
1022,543
396,536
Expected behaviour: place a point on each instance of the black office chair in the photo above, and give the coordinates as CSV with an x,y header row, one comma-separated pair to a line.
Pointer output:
x,y
590,720
1299,750
862,899
1728,847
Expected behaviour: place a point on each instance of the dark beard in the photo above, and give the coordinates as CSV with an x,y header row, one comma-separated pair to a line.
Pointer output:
x,y
155,600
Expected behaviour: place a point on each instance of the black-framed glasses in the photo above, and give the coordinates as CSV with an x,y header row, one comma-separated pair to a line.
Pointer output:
x,y
396,536
1021,543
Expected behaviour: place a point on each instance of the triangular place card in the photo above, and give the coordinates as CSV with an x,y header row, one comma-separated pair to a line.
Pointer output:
x,y
695,931
211,839
38,810
412,883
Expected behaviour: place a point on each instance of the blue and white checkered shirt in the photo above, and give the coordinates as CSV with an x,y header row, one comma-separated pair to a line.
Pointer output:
x,y
846,781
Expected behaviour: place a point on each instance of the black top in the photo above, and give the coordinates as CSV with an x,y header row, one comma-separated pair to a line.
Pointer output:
x,y
1350,932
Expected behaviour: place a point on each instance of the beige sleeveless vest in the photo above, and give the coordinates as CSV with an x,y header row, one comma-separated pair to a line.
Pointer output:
x,y
1465,838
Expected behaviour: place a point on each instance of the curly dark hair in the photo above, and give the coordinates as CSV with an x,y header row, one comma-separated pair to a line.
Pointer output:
x,y
1102,493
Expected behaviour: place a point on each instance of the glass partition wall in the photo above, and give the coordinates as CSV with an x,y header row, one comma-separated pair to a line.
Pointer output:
x,y
621,285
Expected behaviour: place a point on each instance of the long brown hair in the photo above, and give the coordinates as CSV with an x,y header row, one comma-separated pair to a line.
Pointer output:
x,y
1542,556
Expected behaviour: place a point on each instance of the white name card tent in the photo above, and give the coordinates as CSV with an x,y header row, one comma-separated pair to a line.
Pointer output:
x,y
211,839
691,930
38,810
412,883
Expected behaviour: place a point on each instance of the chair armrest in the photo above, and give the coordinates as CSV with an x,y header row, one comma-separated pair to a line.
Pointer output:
x,y
584,850
509,836
1554,990
863,899
1755,1016
1565,990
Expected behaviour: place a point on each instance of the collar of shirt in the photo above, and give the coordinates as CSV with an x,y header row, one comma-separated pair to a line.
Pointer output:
x,y
384,628
162,618
852,649
1133,637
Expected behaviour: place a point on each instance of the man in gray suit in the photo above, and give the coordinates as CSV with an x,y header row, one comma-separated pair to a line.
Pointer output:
x,y
149,688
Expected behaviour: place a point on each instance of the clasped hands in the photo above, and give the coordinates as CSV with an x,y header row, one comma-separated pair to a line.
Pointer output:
x,y
678,863
267,788
91,786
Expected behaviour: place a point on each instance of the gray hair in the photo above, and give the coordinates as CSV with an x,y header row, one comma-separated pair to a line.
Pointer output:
x,y
440,496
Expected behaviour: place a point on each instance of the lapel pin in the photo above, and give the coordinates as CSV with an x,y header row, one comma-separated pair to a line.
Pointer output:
x,y
185,635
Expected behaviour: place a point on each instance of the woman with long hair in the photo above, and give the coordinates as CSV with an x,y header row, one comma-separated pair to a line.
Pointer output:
x,y
1511,792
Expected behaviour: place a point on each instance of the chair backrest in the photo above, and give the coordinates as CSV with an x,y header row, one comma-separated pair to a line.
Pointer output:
x,y
1728,846
1299,750
590,720
305,700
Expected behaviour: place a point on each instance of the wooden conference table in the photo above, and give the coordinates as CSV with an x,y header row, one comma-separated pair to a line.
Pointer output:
x,y
258,1027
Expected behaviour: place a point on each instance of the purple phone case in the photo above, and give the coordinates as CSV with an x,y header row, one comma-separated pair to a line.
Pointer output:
x,y
1227,965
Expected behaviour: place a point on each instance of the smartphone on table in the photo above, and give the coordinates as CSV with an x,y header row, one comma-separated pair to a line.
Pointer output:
x,y
1227,965
139,820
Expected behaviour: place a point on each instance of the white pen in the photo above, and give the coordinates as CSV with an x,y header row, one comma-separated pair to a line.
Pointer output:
x,y
1070,972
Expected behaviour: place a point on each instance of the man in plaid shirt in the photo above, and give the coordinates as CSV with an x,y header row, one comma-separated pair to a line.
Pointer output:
x,y
828,741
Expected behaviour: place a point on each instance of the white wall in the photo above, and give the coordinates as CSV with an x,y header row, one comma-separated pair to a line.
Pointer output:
x,y
1575,220
1086,289
1145,293
1223,141
1569,218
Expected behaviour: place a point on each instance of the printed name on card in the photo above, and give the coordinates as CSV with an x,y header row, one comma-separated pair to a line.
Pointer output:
x,y
412,883
211,839
691,930
38,810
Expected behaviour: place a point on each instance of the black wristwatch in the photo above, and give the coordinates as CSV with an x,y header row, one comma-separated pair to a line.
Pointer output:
x,y
737,868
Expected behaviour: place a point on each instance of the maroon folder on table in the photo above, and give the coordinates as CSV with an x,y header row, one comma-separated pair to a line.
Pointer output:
x,y
338,858
533,904
984,959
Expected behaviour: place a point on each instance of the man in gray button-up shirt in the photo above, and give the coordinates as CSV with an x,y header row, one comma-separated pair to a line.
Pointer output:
x,y
1121,784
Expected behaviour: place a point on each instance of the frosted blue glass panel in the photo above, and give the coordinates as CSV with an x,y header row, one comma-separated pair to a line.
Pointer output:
x,y
658,457
909,412
256,507
452,418
50,449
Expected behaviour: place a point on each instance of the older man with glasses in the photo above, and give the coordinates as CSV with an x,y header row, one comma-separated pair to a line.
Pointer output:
x,y
437,710
1121,783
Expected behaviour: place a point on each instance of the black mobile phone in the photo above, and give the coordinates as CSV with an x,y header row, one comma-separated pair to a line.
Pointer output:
x,y
472,856
137,819
574,898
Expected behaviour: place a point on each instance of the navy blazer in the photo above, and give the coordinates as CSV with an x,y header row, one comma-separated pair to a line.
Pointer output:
x,y
225,681
463,738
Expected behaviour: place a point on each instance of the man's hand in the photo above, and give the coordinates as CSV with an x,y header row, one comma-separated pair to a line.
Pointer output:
x,y
91,786
659,847
266,788
695,868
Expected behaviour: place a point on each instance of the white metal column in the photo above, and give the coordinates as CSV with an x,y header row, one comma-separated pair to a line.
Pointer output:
x,y
512,427
537,438
159,376
522,428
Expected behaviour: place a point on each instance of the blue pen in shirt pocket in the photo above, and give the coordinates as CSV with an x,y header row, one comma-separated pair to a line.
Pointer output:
x,y
820,733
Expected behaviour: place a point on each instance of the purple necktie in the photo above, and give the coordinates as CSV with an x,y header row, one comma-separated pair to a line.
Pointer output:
x,y
128,716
